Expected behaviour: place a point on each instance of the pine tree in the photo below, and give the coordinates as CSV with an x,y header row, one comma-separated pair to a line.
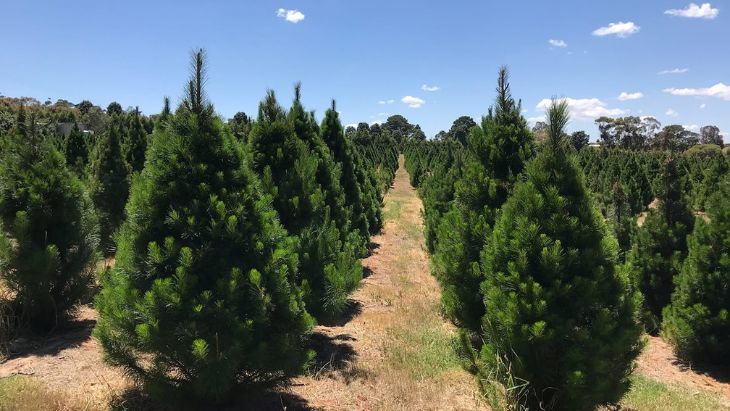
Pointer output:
x,y
660,246
48,229
557,313
135,143
620,219
333,135
109,183
496,154
697,322
201,299
290,170
76,150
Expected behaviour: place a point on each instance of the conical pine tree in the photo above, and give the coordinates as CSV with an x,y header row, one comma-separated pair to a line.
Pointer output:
x,y
135,143
697,322
201,299
557,312
48,230
496,155
76,151
660,246
109,183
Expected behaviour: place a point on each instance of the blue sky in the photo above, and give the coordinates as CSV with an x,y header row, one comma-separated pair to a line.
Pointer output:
x,y
374,57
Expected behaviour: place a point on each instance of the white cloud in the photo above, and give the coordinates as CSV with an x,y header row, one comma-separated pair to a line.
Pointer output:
x,y
693,11
426,87
719,90
378,122
391,101
584,108
557,43
671,113
413,102
292,16
534,120
353,125
703,105
692,127
674,71
619,29
624,96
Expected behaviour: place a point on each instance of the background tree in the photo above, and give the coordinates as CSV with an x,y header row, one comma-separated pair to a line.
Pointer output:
x,y
711,135
556,312
579,139
201,300
697,322
240,125
460,129
114,108
48,231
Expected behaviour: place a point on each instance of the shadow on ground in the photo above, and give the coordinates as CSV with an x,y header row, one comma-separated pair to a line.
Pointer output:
x,y
717,372
69,334
353,309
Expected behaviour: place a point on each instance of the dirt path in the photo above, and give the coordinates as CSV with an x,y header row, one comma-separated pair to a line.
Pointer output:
x,y
395,353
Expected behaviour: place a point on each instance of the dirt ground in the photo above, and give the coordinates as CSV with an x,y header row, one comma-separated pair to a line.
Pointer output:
x,y
659,362
391,352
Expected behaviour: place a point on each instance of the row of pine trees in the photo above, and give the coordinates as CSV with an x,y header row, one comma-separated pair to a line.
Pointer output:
x,y
544,269
229,242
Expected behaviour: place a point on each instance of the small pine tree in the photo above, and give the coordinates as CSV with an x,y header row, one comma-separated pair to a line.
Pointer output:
x,y
135,143
620,219
201,299
697,322
76,150
660,246
556,311
48,230
109,183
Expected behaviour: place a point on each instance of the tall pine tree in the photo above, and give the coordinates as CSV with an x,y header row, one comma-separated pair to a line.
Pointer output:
x,y
76,151
495,155
557,312
135,143
201,299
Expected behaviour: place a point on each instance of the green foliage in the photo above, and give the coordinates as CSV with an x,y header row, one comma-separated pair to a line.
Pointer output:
x,y
201,300
299,173
556,310
697,322
76,151
660,247
134,143
48,230
109,182
495,155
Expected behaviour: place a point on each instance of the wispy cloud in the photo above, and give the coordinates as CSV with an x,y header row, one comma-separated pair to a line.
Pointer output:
x,y
674,71
619,29
703,105
719,90
693,11
671,113
390,101
292,16
584,108
558,43
413,102
624,96
426,87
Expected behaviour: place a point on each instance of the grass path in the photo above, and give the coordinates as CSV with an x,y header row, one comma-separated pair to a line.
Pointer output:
x,y
395,351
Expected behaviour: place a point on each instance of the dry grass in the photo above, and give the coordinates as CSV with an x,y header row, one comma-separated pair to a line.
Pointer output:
x,y
20,393
651,395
